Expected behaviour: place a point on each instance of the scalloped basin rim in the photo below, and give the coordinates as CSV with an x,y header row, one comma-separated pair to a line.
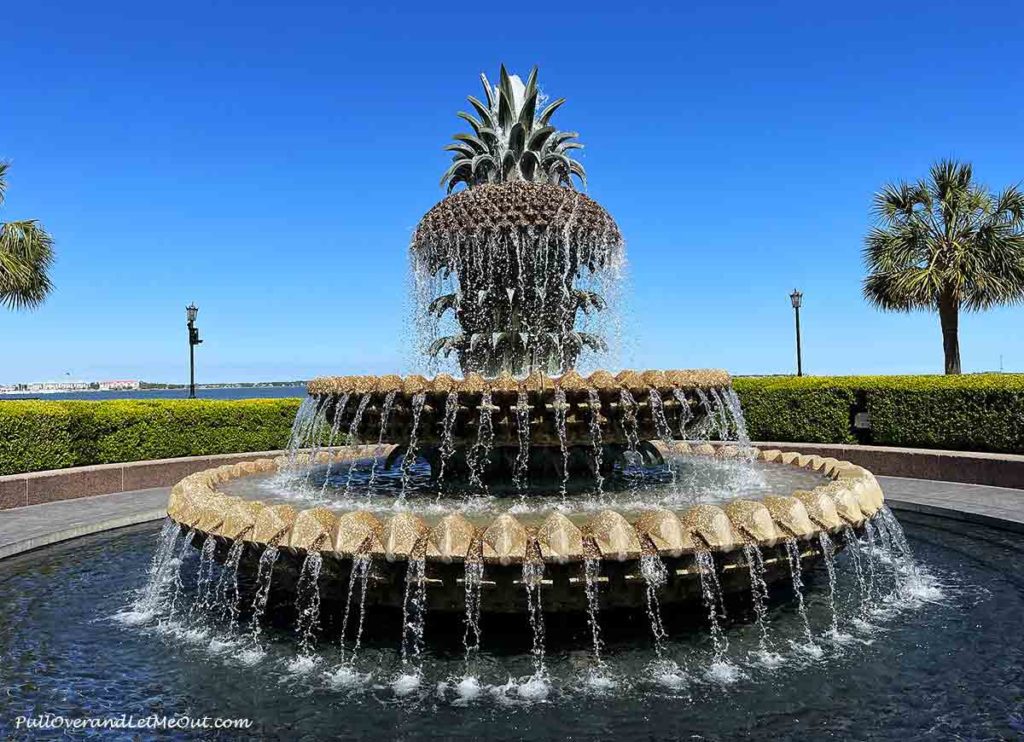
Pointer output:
x,y
848,498
475,383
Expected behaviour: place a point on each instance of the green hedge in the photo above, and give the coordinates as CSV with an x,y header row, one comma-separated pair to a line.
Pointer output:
x,y
983,412
973,412
813,410
36,435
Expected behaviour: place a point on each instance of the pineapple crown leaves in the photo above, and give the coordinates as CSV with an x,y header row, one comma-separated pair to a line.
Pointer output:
x,y
510,140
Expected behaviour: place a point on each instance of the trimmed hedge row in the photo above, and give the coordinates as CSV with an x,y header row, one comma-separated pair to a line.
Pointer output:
x,y
37,435
804,410
975,413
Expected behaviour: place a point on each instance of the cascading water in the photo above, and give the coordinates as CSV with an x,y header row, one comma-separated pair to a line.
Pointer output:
x,y
522,459
828,551
796,574
655,575
594,424
264,573
447,449
227,587
204,580
385,419
480,453
361,565
308,603
870,550
473,582
711,593
560,407
410,454
591,575
854,550
414,611
353,432
759,595
533,579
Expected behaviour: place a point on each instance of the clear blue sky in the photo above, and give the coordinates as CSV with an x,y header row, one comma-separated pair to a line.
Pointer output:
x,y
270,162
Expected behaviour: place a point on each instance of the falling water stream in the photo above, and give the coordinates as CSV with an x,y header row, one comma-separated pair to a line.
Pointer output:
x,y
828,552
655,575
361,564
591,576
264,573
560,407
533,578
759,594
353,433
594,423
308,602
447,449
410,454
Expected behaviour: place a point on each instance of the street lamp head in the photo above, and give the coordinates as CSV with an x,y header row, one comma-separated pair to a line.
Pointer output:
x,y
797,298
191,311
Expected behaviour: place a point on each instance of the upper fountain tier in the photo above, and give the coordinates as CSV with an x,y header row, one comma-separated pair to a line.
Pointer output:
x,y
515,263
537,423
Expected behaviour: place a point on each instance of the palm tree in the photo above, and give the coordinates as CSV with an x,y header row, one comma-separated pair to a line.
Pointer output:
x,y
511,140
945,244
26,254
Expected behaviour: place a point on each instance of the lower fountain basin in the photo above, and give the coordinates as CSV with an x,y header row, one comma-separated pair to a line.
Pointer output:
x,y
556,549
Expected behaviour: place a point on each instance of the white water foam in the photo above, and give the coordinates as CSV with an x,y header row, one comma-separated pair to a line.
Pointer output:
x,y
346,677
250,657
302,664
467,690
723,672
406,684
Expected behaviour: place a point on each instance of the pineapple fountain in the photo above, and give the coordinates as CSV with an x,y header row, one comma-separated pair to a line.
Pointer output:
x,y
521,486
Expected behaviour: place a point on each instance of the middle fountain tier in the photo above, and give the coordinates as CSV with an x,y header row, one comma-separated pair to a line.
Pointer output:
x,y
509,430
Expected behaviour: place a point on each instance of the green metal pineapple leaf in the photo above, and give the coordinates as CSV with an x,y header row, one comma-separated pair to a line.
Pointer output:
x,y
510,140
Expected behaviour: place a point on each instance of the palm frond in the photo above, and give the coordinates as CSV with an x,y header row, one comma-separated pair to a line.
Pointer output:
x,y
26,255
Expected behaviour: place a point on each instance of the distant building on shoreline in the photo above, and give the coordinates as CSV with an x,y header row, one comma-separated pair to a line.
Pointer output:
x,y
119,385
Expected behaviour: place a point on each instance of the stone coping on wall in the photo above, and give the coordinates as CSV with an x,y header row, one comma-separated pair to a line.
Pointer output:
x,y
965,467
33,488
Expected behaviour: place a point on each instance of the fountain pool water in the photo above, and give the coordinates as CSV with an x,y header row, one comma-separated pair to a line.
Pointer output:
x,y
941,659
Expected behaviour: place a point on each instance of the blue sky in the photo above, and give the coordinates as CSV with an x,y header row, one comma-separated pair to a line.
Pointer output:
x,y
269,163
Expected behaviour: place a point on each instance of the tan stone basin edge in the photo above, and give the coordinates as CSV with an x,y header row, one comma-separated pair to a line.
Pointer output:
x,y
848,498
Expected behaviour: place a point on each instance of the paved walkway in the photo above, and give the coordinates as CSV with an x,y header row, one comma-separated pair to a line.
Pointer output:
x,y
22,529
974,503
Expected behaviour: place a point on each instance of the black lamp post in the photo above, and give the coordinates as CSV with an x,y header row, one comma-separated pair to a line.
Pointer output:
x,y
797,299
193,340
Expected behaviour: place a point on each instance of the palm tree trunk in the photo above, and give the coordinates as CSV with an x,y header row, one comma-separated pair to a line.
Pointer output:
x,y
949,317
